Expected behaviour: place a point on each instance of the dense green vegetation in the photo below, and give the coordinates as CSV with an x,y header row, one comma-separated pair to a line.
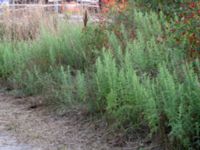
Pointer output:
x,y
134,71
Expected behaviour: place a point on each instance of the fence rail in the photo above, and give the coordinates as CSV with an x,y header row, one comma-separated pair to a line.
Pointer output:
x,y
56,7
50,5
65,8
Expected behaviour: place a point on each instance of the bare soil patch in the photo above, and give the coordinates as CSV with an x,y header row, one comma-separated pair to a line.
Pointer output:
x,y
25,126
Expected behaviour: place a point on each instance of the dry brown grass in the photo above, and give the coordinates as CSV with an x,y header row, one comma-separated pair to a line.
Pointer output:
x,y
25,24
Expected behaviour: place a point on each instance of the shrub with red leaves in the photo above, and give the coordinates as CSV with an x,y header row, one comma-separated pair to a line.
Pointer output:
x,y
188,27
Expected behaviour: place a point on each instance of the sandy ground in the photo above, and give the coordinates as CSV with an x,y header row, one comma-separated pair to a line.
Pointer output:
x,y
23,127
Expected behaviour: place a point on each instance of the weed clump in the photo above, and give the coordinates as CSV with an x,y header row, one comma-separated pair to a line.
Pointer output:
x,y
141,81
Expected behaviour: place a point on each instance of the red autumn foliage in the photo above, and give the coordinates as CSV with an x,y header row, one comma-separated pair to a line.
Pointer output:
x,y
188,26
